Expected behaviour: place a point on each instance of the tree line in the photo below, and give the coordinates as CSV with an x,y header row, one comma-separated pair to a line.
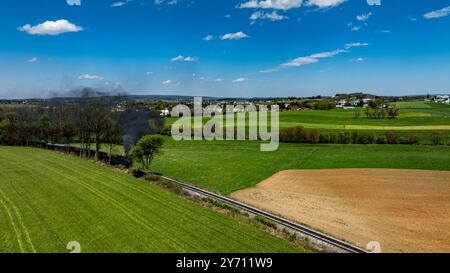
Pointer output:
x,y
312,136
89,123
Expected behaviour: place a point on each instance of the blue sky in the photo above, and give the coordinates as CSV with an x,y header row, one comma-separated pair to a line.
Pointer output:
x,y
225,48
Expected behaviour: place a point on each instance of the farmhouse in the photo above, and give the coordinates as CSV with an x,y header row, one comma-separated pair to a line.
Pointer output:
x,y
442,99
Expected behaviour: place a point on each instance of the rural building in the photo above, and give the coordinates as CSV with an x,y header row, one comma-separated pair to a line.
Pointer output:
x,y
165,113
441,99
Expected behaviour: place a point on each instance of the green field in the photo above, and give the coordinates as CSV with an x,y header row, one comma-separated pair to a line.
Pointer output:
x,y
416,117
48,199
412,114
226,166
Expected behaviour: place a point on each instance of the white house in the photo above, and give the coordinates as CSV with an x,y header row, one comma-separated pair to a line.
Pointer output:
x,y
341,104
442,99
165,113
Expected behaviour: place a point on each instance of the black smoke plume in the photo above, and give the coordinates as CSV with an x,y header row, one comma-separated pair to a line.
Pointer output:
x,y
136,123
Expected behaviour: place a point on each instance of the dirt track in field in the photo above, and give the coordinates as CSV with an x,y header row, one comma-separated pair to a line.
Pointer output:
x,y
404,210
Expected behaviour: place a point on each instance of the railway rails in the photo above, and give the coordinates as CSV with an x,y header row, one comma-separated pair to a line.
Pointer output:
x,y
323,240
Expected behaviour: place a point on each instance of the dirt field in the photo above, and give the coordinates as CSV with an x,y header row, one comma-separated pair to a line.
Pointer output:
x,y
404,210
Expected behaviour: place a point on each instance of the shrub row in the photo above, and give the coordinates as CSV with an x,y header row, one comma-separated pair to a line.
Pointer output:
x,y
302,135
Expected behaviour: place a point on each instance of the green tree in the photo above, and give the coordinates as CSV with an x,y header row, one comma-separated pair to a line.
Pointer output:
x,y
436,138
393,112
146,149
44,126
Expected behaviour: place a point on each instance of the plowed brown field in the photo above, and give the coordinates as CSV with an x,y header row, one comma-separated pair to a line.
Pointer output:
x,y
404,210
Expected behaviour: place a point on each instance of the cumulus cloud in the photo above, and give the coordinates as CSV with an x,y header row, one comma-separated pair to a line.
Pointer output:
x,y
234,36
325,3
33,60
181,58
364,17
51,28
374,2
90,77
167,82
74,2
273,16
271,4
437,13
239,80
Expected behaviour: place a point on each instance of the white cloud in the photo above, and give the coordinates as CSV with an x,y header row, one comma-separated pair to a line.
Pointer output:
x,y
364,17
374,2
90,77
208,38
168,2
181,58
357,60
234,36
271,70
33,60
219,80
314,58
148,73
118,4
437,13
288,4
239,80
167,82
274,16
51,28
74,2
271,4
300,61
358,44
325,3
354,28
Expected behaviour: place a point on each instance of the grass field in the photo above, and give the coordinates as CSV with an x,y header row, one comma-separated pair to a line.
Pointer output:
x,y
229,166
412,113
49,199
416,118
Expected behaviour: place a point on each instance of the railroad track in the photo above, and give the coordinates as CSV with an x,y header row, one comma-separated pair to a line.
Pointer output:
x,y
318,237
